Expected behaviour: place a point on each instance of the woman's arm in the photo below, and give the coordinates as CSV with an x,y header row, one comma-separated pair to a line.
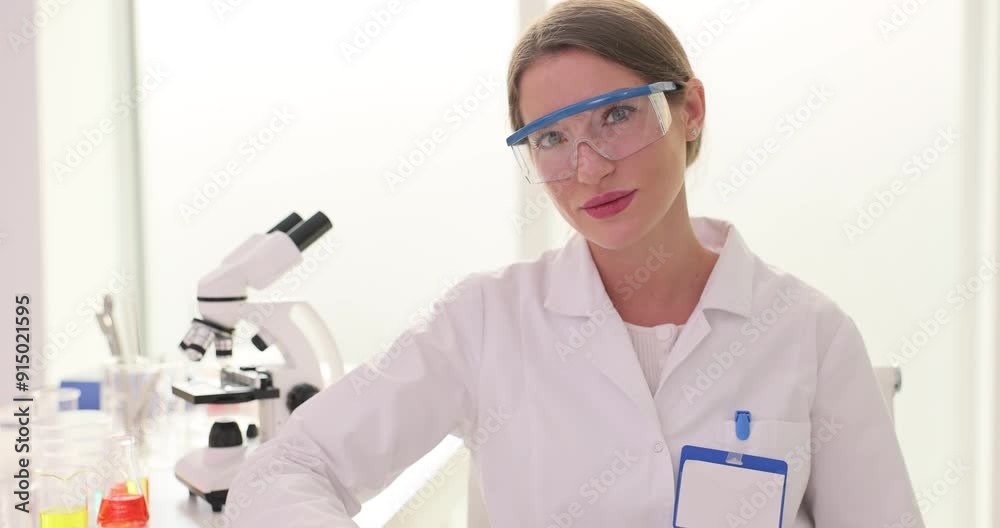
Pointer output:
x,y
351,440
858,476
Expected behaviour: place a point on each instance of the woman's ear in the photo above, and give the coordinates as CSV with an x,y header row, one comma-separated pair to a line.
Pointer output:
x,y
694,108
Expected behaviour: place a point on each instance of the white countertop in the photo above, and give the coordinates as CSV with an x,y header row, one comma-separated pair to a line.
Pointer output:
x,y
172,507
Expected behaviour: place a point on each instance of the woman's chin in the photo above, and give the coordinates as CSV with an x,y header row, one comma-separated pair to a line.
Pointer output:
x,y
611,235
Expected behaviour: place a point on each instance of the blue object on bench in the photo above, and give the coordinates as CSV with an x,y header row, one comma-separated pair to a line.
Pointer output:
x,y
90,393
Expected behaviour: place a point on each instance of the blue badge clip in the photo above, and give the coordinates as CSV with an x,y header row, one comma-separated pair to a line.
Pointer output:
x,y
742,432
742,425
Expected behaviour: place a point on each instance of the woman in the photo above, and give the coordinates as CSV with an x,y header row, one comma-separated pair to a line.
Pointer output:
x,y
578,378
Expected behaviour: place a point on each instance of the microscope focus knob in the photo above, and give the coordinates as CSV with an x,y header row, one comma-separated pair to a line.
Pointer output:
x,y
259,342
225,433
299,394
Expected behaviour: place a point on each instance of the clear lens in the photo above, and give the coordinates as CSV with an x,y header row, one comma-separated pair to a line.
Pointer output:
x,y
615,131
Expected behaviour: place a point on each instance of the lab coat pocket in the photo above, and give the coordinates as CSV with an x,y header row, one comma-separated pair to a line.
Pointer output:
x,y
779,439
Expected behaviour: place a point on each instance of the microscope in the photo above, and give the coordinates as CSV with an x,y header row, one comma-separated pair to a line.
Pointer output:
x,y
311,360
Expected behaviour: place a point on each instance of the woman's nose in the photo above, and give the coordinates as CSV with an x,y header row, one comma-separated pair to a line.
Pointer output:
x,y
591,166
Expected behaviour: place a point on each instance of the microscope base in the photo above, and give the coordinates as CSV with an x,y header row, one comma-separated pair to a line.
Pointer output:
x,y
208,472
216,499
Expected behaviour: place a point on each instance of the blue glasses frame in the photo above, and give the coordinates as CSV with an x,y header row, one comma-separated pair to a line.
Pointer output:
x,y
587,104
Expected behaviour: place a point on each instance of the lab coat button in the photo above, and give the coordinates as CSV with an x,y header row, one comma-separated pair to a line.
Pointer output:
x,y
658,447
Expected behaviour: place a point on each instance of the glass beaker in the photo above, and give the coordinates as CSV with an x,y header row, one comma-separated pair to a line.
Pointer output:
x,y
50,400
62,496
139,396
73,424
123,499
70,445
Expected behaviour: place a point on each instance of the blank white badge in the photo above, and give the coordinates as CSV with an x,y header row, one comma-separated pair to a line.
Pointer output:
x,y
715,493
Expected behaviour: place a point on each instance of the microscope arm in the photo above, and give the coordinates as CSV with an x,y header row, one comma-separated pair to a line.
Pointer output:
x,y
257,263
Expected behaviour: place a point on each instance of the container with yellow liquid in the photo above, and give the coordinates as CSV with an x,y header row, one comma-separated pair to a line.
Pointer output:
x,y
74,517
62,497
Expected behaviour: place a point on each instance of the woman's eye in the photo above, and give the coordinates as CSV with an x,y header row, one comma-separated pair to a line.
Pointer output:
x,y
549,140
618,114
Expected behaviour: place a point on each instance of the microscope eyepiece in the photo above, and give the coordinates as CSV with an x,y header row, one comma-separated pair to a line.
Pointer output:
x,y
309,231
287,224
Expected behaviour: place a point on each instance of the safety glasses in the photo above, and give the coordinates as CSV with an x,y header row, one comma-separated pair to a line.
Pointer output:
x,y
616,125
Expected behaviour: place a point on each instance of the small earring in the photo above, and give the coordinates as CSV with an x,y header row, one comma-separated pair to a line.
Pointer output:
x,y
693,133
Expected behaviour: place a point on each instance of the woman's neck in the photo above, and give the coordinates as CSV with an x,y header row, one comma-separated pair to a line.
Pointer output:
x,y
659,279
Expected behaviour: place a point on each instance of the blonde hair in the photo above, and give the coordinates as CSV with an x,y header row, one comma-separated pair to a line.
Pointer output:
x,y
622,31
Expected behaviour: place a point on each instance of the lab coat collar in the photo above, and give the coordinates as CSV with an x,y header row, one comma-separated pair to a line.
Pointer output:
x,y
575,287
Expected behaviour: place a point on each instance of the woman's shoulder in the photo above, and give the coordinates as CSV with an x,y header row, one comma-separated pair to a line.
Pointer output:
x,y
775,286
519,276
522,284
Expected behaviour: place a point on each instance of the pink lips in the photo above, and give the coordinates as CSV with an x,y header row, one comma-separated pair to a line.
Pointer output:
x,y
608,204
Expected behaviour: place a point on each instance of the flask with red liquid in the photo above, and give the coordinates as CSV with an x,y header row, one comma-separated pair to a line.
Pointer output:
x,y
123,503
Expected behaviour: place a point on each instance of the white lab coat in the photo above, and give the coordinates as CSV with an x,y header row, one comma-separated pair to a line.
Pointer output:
x,y
535,370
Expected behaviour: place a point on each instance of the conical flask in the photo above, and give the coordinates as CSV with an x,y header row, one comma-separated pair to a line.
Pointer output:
x,y
123,501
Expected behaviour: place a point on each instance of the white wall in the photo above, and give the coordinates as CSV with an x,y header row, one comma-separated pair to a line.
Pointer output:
x,y
20,247
398,244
